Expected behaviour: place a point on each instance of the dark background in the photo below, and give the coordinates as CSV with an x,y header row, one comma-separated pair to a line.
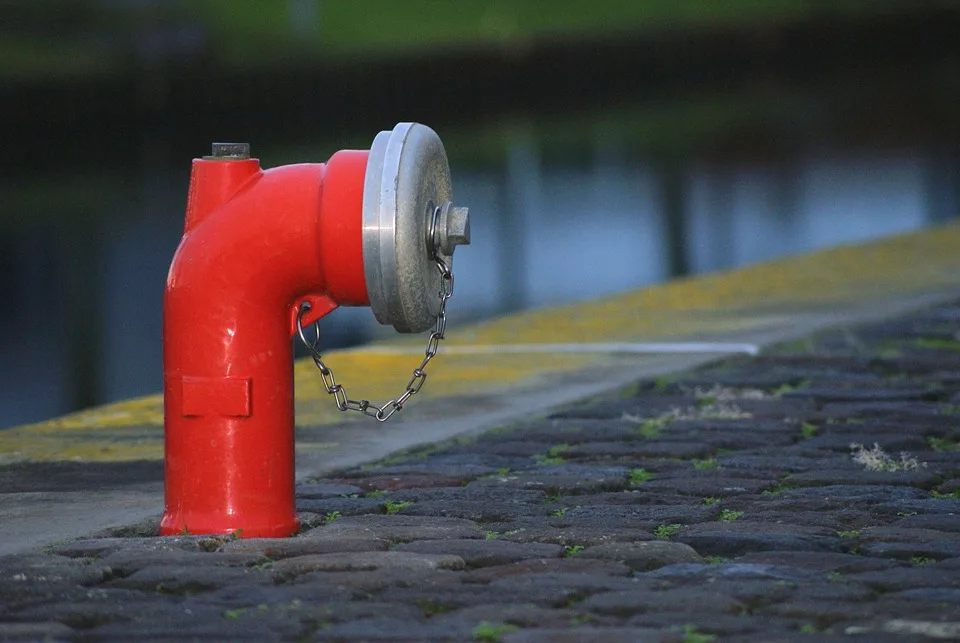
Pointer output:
x,y
601,145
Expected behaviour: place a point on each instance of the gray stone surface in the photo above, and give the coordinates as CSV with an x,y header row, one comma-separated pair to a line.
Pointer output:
x,y
583,527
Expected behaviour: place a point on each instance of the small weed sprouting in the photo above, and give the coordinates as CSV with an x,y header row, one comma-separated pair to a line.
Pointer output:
x,y
431,608
715,560
921,560
853,533
710,501
704,465
572,550
664,532
777,490
487,632
638,476
937,343
809,628
727,515
376,493
392,507
834,576
234,614
692,635
558,513
783,389
953,495
875,459
943,444
650,428
548,460
330,516
808,430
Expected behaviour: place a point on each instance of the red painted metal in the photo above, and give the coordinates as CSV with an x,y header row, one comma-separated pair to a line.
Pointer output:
x,y
256,244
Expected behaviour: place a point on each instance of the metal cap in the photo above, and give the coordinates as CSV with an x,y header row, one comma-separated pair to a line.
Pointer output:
x,y
406,186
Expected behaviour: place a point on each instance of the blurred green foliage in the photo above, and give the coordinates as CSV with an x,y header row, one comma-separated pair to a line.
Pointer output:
x,y
69,38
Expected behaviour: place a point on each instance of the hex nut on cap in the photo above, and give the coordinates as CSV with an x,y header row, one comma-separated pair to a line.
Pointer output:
x,y
230,151
453,229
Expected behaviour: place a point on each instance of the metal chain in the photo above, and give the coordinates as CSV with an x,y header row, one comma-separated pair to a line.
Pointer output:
x,y
383,413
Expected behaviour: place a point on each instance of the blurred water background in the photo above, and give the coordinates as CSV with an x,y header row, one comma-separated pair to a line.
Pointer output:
x,y
600,144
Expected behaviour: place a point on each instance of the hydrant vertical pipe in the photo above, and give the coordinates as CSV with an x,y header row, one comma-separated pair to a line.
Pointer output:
x,y
256,243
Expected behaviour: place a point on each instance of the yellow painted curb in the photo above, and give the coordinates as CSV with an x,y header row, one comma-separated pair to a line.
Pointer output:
x,y
710,306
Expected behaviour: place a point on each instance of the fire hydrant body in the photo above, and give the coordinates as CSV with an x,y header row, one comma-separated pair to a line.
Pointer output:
x,y
258,245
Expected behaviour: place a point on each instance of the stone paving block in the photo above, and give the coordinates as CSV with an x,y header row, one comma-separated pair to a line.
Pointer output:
x,y
127,561
723,627
364,561
648,406
36,631
520,615
327,490
474,510
567,431
916,551
368,481
587,634
394,629
461,465
712,486
644,556
554,483
872,394
824,562
471,492
275,548
902,578
99,547
837,521
187,579
396,528
940,521
97,607
641,517
559,589
825,477
585,535
730,543
274,596
572,565
342,506
625,604
43,569
822,613
947,506
483,553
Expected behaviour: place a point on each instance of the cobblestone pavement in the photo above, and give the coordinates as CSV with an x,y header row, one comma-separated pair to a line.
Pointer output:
x,y
727,504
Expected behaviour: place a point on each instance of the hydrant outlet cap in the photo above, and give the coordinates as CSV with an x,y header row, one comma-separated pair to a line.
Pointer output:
x,y
407,179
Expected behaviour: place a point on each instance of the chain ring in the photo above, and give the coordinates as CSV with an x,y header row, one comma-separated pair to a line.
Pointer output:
x,y
366,407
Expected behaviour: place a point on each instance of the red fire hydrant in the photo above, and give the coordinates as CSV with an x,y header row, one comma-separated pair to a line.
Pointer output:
x,y
264,253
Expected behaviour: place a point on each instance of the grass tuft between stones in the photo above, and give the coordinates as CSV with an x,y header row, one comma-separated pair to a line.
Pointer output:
x,y
392,507
664,532
487,632
638,476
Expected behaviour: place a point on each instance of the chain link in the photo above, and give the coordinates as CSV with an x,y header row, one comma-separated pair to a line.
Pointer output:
x,y
383,413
